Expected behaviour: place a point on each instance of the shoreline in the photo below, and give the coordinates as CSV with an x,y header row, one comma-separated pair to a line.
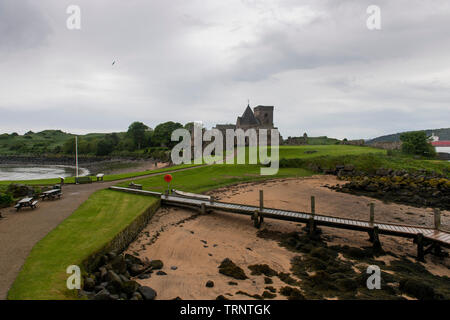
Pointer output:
x,y
192,246
106,166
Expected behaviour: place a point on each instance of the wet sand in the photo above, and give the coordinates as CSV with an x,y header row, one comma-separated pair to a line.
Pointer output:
x,y
195,245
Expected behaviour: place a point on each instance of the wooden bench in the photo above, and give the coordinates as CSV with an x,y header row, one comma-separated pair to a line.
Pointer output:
x,y
81,180
51,194
135,186
26,202
100,176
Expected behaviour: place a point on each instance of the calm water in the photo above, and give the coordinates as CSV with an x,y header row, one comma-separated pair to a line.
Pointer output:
x,y
22,172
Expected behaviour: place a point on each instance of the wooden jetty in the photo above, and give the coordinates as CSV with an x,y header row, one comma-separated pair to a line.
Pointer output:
x,y
428,240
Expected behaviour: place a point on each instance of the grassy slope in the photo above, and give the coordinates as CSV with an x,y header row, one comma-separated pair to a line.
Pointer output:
x,y
288,152
212,177
48,139
86,231
369,163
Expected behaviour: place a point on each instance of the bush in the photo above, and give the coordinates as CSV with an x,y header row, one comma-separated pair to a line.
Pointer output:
x,y
416,143
5,200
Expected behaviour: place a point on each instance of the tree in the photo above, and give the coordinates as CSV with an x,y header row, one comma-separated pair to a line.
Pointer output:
x,y
136,131
189,126
106,145
416,143
163,133
69,146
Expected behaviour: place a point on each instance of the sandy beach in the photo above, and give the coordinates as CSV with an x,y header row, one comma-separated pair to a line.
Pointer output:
x,y
192,246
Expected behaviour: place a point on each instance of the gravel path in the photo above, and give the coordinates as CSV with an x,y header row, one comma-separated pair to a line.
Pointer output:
x,y
20,231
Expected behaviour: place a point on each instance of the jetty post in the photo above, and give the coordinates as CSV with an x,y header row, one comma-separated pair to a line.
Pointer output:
x,y
420,251
312,226
203,208
372,213
437,218
261,206
373,234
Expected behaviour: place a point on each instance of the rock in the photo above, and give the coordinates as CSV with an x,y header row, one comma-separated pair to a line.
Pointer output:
x,y
102,295
103,273
230,269
89,284
111,255
209,284
114,280
114,297
144,276
132,259
173,267
147,293
86,294
118,264
130,286
123,296
136,296
161,273
98,288
112,289
349,167
156,264
135,269
123,278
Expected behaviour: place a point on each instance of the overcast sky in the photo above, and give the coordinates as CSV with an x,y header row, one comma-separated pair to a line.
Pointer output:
x,y
316,61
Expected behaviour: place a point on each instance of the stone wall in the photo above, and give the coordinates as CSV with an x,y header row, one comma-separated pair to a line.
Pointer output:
x,y
359,142
122,240
387,145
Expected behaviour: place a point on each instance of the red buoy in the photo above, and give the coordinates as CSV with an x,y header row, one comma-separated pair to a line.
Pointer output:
x,y
168,178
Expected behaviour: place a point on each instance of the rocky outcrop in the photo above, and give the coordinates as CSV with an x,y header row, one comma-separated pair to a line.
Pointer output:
x,y
416,189
114,279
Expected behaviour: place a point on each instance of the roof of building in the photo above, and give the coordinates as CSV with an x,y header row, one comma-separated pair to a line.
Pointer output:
x,y
248,117
441,143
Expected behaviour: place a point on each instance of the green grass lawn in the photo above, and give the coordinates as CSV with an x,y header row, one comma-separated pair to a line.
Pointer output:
x,y
288,152
92,226
369,163
215,176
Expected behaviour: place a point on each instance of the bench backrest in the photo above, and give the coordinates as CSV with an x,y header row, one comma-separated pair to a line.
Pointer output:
x,y
83,180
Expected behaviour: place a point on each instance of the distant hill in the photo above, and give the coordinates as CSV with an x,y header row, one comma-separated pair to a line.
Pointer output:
x,y
47,141
443,134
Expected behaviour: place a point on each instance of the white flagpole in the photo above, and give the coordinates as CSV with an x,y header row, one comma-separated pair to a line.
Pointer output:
x,y
76,153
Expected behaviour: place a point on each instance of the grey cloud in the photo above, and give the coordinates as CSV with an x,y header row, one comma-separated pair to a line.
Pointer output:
x,y
22,26
196,60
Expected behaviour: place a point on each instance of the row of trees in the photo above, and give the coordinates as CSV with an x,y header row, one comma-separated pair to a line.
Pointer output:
x,y
139,137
